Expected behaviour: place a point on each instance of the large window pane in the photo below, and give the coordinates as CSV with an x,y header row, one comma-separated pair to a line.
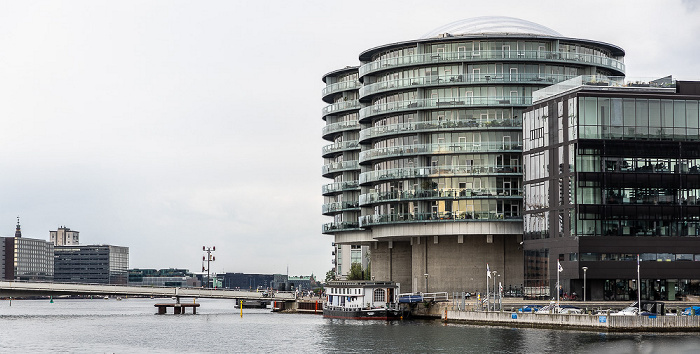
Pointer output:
x,y
642,115
679,123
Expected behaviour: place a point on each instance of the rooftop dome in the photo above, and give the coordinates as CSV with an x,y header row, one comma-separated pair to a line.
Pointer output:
x,y
492,25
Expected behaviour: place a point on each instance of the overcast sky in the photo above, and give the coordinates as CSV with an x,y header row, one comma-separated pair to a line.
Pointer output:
x,y
168,125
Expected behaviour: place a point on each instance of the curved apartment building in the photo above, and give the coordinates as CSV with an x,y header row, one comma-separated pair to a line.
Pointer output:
x,y
426,148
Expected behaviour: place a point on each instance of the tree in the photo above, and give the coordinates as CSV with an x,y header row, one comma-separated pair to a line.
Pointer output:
x,y
355,271
330,275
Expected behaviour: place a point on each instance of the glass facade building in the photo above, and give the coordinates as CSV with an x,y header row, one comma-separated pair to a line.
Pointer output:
x,y
611,174
98,264
425,151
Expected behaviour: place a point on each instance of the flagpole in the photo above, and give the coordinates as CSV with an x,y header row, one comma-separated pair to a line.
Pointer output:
x,y
488,274
639,287
558,271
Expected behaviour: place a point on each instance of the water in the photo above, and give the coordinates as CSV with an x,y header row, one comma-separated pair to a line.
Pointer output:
x,y
131,326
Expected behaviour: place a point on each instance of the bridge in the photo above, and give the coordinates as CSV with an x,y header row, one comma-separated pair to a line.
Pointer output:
x,y
21,289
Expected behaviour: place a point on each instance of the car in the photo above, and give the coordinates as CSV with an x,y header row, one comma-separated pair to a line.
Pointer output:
x,y
689,311
529,308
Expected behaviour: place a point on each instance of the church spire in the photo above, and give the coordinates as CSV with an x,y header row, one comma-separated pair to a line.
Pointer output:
x,y
18,231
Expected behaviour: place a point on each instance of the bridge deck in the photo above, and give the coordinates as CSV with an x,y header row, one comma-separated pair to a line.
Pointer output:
x,y
21,288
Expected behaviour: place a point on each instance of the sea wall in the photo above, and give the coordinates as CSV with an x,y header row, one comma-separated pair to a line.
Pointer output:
x,y
585,322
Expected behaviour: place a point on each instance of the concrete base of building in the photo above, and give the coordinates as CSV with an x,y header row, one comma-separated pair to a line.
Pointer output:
x,y
453,263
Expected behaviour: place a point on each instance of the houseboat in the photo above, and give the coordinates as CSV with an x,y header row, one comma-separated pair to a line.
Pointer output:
x,y
362,300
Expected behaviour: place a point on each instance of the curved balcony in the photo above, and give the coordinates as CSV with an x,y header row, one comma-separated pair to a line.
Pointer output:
x,y
439,171
493,55
435,125
339,127
469,79
339,87
464,216
340,106
334,227
331,149
467,101
336,207
335,167
435,149
445,193
338,187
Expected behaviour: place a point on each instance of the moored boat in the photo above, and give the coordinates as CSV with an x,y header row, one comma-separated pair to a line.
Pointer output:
x,y
362,300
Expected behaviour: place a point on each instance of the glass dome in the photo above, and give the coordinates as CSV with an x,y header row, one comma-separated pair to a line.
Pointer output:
x,y
492,25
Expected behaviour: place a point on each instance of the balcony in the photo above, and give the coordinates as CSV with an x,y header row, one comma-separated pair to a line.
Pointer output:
x,y
467,79
435,125
446,102
439,171
445,193
464,216
335,167
337,187
333,227
434,149
332,149
340,107
337,207
493,55
340,87
339,127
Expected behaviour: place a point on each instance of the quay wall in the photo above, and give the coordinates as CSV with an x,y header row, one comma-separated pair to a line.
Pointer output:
x,y
584,322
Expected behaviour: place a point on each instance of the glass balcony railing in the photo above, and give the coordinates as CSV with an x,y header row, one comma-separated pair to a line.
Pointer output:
x,y
340,226
446,148
340,86
438,171
340,127
492,55
507,78
340,186
445,193
337,207
341,106
416,127
341,146
369,220
340,166
447,102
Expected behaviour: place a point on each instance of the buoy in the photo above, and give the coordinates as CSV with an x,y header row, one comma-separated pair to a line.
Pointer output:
x,y
51,302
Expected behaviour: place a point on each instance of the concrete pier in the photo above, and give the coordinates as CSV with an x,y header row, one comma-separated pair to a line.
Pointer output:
x,y
604,322
177,308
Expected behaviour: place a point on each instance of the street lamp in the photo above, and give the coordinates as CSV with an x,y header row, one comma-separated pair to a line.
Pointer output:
x,y
208,258
584,282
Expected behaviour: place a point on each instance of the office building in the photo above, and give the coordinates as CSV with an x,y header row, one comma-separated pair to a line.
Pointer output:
x,y
99,264
27,258
170,277
64,237
612,174
426,147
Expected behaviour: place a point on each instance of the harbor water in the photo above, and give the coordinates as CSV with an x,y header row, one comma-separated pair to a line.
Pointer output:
x,y
131,326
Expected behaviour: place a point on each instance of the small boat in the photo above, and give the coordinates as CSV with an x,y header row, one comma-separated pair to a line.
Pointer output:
x,y
362,300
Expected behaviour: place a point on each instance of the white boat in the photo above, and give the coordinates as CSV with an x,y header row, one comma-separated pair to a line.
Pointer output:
x,y
362,300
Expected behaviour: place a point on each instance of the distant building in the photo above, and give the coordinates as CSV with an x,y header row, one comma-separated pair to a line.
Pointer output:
x,y
64,237
27,258
245,281
170,277
345,255
101,264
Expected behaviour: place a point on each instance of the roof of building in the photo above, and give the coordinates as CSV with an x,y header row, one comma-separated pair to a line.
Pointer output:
x,y
492,25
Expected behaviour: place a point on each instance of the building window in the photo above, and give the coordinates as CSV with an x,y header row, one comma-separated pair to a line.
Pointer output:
x,y
379,295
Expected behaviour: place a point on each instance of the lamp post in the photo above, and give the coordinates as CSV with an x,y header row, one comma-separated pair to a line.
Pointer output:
x,y
584,282
208,258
